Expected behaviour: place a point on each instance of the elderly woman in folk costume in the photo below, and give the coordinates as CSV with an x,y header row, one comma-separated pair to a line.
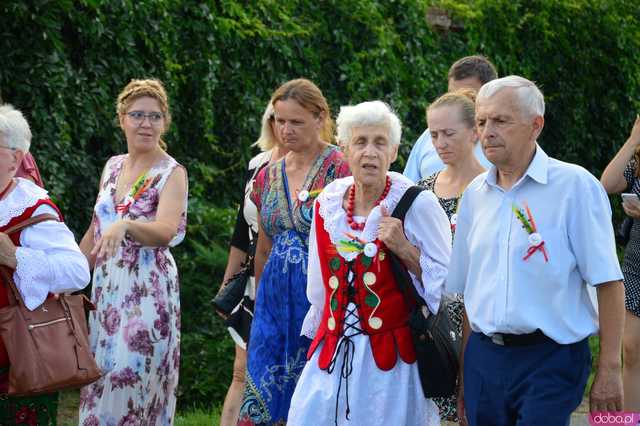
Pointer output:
x,y
44,258
358,313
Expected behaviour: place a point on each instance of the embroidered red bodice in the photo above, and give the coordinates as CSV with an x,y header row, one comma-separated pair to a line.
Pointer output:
x,y
15,238
381,305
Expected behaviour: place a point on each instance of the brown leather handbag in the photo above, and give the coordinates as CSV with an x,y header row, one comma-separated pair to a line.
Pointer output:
x,y
48,347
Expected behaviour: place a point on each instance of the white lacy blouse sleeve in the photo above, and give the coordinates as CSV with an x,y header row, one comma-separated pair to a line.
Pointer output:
x,y
427,227
315,287
48,261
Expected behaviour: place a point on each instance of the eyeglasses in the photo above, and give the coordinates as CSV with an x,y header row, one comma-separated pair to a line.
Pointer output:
x,y
138,117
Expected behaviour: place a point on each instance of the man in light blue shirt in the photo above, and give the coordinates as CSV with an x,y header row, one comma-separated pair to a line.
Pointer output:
x,y
534,255
468,72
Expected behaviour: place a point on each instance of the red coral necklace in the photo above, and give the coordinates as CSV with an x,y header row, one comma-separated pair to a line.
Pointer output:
x,y
351,201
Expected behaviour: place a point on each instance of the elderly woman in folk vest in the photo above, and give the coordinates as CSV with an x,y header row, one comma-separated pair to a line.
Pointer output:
x,y
362,367
44,258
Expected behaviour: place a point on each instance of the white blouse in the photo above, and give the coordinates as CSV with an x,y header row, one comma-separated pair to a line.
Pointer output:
x,y
249,209
48,260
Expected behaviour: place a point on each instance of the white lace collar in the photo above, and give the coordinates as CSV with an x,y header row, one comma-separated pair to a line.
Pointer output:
x,y
335,217
23,196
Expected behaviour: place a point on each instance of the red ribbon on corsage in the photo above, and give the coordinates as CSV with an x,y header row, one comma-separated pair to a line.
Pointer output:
x,y
123,208
137,190
535,239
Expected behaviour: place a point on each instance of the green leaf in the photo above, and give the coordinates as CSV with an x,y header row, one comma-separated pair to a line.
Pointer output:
x,y
334,263
371,300
334,304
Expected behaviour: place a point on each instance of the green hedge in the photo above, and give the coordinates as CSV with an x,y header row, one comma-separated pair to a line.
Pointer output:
x,y
585,55
64,62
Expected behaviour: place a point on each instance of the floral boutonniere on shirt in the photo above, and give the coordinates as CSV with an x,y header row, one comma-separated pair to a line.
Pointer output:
x,y
304,195
536,242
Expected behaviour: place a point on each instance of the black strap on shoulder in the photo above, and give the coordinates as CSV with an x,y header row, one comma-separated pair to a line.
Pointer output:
x,y
406,201
402,276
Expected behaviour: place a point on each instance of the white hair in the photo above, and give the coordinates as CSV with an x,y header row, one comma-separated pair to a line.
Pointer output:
x,y
373,113
530,98
14,129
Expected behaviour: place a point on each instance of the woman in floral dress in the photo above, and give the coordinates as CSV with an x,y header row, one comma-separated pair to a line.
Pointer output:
x,y
284,194
451,120
140,212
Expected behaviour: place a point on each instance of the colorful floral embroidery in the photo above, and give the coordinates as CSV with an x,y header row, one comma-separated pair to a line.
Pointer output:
x,y
29,411
372,299
269,194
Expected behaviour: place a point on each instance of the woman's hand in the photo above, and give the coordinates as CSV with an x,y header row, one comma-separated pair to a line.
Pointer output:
x,y
391,233
108,244
7,252
632,209
86,245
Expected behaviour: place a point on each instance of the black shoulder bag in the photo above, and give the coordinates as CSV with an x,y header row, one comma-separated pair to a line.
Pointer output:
x,y
436,342
232,291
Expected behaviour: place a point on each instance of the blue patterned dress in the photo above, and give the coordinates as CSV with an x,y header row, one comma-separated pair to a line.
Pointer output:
x,y
277,352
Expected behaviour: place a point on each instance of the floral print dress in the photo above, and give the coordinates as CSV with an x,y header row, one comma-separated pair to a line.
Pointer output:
x,y
276,350
135,331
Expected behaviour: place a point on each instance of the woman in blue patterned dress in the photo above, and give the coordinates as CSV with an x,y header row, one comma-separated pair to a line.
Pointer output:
x,y
284,194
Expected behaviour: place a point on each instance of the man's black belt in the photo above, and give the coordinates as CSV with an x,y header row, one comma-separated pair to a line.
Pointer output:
x,y
517,339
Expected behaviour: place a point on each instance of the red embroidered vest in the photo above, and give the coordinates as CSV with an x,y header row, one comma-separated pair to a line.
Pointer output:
x,y
381,305
15,238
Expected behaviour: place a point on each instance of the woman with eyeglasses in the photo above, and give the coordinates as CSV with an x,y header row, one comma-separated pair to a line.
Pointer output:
x,y
243,241
140,213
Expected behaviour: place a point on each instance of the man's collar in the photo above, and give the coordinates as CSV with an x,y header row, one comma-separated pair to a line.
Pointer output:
x,y
539,167
537,170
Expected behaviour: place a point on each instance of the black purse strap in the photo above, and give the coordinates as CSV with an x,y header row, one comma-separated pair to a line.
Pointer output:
x,y
400,272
